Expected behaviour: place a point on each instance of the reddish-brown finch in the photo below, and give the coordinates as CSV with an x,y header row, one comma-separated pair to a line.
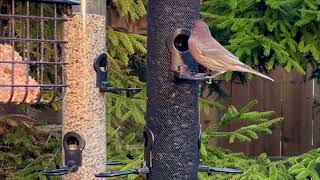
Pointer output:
x,y
211,54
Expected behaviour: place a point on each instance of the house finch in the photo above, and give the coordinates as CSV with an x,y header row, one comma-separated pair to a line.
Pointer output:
x,y
211,54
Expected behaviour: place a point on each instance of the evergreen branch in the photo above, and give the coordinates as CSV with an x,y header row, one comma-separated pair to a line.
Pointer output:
x,y
267,33
132,9
247,133
206,105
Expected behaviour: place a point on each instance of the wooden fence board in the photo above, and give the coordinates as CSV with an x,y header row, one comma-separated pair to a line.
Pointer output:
x,y
226,102
268,95
316,116
257,147
240,97
306,120
296,129
272,102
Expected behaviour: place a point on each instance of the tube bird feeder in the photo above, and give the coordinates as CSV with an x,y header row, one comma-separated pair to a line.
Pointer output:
x,y
84,115
172,133
172,108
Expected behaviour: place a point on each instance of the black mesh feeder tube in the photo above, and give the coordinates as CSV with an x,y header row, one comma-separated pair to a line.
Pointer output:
x,y
172,108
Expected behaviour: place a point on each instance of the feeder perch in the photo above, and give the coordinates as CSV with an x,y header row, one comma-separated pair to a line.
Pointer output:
x,y
73,145
113,163
32,60
144,169
219,170
101,68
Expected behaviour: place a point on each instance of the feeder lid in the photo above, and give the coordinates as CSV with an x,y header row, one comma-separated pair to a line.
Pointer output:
x,y
70,2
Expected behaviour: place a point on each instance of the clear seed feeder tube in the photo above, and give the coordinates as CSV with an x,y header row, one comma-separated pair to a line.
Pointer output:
x,y
84,106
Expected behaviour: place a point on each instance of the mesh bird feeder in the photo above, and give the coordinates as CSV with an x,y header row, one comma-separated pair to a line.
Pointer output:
x,y
42,42
172,132
172,109
32,60
173,129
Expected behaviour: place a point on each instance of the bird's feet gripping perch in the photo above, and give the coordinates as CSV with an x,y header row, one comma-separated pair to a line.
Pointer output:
x,y
209,81
183,72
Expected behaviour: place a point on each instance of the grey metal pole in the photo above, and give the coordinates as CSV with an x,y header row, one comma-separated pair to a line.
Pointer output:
x,y
84,106
172,109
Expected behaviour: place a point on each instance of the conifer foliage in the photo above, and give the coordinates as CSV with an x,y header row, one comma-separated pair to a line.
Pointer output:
x,y
257,122
265,33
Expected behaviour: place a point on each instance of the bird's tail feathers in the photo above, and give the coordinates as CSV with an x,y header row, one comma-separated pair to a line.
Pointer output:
x,y
250,70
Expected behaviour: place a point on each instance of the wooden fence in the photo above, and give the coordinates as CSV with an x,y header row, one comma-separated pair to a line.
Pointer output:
x,y
291,97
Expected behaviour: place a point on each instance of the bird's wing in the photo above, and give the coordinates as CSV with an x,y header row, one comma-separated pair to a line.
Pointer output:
x,y
221,55
223,60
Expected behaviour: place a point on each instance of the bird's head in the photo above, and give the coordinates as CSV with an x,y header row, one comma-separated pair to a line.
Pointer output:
x,y
199,27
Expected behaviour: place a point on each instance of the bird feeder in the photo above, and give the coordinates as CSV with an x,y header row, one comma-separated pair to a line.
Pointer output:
x,y
172,132
173,127
32,55
77,41
172,108
84,112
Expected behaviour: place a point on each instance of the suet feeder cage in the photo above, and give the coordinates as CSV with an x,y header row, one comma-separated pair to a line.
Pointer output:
x,y
32,60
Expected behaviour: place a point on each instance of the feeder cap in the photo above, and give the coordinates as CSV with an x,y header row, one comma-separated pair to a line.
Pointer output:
x,y
70,2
